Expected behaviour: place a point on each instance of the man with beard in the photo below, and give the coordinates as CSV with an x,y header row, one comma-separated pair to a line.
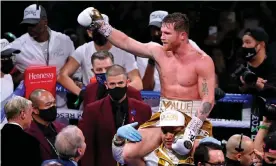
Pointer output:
x,y
82,58
187,77
44,127
147,68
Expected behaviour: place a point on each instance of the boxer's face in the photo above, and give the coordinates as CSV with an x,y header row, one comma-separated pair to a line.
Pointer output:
x,y
101,65
169,134
170,38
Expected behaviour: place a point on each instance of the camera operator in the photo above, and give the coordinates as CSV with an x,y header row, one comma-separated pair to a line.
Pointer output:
x,y
259,77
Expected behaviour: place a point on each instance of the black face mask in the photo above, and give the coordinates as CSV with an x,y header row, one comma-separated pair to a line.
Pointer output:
x,y
7,66
99,39
249,53
49,115
117,93
156,39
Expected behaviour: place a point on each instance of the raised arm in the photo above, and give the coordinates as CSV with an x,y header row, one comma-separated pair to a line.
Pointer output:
x,y
206,86
90,17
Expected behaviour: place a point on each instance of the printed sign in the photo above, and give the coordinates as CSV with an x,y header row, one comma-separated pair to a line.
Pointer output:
x,y
40,77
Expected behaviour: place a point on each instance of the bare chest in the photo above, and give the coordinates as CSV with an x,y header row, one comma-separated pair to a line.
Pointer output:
x,y
175,71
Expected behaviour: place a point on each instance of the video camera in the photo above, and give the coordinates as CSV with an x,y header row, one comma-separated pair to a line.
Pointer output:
x,y
248,76
265,109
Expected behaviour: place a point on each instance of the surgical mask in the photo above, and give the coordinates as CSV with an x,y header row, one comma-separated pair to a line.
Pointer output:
x,y
49,115
101,78
6,66
248,53
99,39
117,93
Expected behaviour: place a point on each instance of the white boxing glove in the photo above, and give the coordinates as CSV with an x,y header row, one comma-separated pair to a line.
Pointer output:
x,y
84,18
182,146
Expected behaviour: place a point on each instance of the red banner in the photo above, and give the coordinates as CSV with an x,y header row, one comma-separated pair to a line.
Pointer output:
x,y
40,77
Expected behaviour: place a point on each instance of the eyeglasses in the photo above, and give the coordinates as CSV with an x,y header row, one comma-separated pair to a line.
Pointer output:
x,y
215,164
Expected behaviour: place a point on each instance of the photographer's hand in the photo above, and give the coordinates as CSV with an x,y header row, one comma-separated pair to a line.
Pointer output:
x,y
260,83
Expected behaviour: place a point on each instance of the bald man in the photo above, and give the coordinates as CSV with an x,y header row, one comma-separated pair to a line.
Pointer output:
x,y
44,126
239,151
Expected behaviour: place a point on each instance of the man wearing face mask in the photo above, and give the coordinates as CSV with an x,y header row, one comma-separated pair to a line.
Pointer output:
x,y
146,65
259,61
96,90
82,58
101,119
7,64
239,151
44,127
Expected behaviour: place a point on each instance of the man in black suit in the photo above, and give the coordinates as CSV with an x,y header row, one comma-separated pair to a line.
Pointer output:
x,y
18,147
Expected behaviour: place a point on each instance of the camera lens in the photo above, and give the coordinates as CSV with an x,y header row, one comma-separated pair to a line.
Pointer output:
x,y
249,77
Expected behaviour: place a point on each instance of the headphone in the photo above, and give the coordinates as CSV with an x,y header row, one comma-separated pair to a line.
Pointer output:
x,y
239,148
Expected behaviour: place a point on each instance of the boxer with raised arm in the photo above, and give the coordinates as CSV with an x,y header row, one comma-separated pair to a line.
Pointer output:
x,y
187,77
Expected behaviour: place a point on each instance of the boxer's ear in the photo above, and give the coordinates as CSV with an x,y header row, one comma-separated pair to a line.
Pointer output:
x,y
127,82
183,36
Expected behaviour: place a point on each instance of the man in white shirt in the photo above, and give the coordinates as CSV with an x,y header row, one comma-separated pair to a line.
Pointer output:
x,y
7,64
41,46
82,58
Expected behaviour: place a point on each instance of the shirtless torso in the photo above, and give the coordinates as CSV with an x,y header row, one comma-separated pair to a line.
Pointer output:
x,y
186,73
178,75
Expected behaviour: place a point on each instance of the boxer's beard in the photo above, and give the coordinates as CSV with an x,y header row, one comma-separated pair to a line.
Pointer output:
x,y
99,39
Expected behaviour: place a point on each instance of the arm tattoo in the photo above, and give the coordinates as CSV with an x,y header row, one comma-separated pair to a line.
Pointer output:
x,y
204,87
206,108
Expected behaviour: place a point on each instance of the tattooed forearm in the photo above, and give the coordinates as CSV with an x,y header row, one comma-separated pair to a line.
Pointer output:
x,y
206,108
204,87
204,111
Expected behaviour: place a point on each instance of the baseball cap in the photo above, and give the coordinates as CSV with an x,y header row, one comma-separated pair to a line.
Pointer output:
x,y
171,118
33,14
210,139
157,17
258,34
6,49
270,142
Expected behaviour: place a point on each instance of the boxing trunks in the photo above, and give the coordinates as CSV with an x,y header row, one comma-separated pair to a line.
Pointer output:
x,y
188,108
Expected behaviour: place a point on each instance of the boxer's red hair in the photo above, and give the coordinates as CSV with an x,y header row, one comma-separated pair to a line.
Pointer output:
x,y
180,21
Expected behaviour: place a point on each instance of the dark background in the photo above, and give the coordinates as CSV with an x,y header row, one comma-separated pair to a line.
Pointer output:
x,y
133,17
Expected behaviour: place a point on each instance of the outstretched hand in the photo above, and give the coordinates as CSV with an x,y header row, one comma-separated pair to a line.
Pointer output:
x,y
129,132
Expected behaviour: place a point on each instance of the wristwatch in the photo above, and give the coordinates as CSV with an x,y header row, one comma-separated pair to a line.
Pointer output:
x,y
118,142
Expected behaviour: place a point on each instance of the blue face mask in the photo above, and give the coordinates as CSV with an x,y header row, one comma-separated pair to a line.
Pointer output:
x,y
101,78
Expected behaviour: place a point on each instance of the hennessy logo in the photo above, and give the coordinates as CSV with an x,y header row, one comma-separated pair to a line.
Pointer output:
x,y
33,76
